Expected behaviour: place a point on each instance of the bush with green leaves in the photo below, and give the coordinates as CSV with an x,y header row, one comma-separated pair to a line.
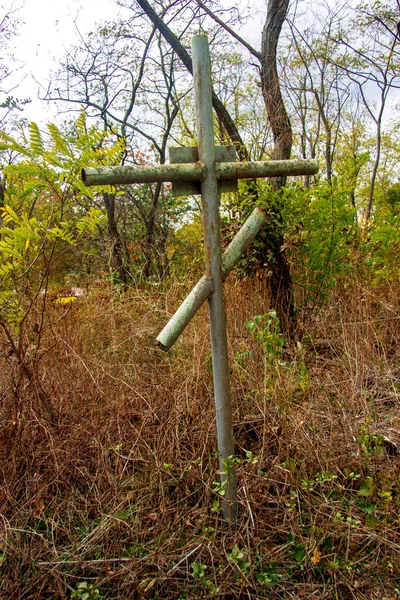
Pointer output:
x,y
86,591
47,217
382,247
322,237
46,211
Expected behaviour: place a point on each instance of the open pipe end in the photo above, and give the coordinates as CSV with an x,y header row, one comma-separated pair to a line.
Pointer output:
x,y
161,346
83,176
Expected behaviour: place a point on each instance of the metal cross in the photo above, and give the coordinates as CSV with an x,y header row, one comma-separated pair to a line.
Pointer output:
x,y
208,170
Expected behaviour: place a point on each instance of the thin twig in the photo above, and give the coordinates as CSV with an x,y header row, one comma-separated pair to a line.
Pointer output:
x,y
182,560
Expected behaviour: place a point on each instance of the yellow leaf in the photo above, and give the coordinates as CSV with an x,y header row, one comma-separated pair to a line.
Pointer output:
x,y
147,584
316,557
65,300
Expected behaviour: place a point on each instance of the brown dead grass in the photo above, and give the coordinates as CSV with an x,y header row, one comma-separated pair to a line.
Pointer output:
x,y
118,489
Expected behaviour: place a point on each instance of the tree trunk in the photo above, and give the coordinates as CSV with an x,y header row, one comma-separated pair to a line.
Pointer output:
x,y
150,230
281,280
117,252
377,160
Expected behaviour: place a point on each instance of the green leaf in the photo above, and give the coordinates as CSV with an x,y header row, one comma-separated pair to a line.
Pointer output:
x,y
53,159
371,521
9,214
60,145
299,553
367,488
36,141
82,585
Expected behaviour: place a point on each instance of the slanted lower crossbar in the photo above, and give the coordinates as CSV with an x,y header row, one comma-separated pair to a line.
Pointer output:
x,y
204,286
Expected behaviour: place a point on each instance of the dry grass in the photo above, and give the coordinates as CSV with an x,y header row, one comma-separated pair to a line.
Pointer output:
x,y
117,489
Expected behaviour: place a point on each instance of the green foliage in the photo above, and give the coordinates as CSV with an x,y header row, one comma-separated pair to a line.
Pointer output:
x,y
382,249
392,198
185,249
199,570
36,140
321,238
199,573
238,557
47,214
266,329
367,487
86,591
371,444
315,228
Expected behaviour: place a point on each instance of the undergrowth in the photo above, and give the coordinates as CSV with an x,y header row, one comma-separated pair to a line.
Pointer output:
x,y
114,494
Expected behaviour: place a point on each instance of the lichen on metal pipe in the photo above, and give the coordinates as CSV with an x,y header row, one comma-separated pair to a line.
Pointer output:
x,y
196,171
266,168
143,174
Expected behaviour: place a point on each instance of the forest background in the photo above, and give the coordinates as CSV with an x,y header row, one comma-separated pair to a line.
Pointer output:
x,y
108,463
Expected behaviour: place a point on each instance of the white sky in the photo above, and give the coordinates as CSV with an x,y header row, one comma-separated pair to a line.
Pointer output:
x,y
46,31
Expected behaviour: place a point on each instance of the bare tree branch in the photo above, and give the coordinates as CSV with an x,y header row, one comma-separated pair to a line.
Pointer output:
x,y
233,33
183,54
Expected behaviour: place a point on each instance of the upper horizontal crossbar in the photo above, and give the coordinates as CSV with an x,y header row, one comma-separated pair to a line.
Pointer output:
x,y
196,171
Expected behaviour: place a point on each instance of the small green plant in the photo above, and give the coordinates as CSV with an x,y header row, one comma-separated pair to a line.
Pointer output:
x,y
308,484
216,506
238,557
219,487
326,476
199,572
298,550
371,444
299,553
320,479
266,575
348,520
367,487
266,329
208,532
250,459
371,518
228,465
86,591
240,357
293,502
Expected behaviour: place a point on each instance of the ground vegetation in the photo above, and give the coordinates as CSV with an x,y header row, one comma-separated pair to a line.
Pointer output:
x,y
109,469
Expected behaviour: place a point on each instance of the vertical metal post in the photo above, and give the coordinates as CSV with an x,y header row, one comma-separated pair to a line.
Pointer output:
x,y
212,249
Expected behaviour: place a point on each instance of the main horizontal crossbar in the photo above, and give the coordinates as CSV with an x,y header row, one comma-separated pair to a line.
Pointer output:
x,y
196,171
